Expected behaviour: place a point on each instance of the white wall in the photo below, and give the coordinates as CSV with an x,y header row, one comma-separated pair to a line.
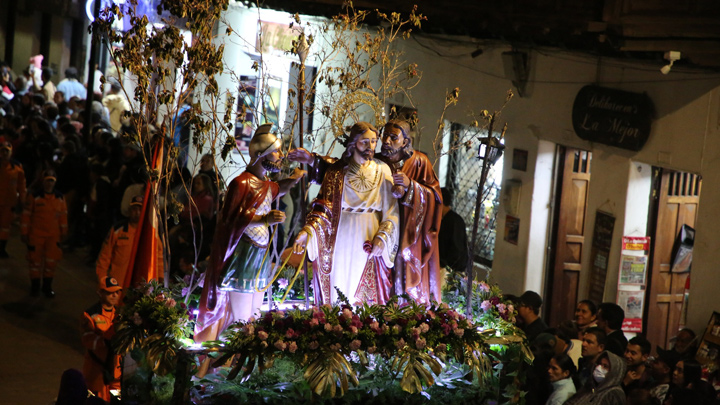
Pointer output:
x,y
705,279
540,215
683,137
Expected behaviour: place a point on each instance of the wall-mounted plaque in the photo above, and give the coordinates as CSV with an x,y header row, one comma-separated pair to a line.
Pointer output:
x,y
613,117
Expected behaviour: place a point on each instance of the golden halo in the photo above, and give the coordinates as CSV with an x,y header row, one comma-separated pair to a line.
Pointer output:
x,y
346,110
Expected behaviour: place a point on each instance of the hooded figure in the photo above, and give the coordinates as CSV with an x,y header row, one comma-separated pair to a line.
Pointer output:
x,y
604,387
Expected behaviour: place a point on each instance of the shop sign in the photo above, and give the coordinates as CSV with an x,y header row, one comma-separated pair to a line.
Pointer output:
x,y
636,243
612,117
275,37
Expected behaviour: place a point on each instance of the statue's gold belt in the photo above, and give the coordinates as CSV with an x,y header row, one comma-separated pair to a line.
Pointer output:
x,y
361,210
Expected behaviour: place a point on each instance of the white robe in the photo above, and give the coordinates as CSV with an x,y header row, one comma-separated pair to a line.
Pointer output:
x,y
367,205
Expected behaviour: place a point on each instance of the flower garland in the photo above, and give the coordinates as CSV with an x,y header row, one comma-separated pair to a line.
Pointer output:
x,y
416,337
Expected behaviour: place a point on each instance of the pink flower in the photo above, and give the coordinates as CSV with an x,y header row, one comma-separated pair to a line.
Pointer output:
x,y
431,314
328,327
314,322
290,333
313,345
420,343
262,335
482,286
355,345
415,332
400,344
511,308
424,327
501,307
353,330
280,345
292,347
335,347
460,332
337,328
348,313
485,306
170,303
248,329
374,326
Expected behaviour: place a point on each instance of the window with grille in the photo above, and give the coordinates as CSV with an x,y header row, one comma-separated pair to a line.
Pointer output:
x,y
462,175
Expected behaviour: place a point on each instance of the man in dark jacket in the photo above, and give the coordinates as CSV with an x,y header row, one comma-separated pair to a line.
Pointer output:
x,y
453,236
610,317
529,311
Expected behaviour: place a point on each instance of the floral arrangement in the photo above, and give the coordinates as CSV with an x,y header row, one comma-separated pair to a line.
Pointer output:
x,y
489,307
151,320
320,339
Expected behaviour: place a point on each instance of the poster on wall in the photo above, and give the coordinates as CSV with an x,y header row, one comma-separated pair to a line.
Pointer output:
x,y
633,269
632,279
271,101
245,121
632,303
600,252
512,229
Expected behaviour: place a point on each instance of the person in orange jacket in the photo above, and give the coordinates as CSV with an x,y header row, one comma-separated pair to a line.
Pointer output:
x,y
102,368
12,190
114,257
43,226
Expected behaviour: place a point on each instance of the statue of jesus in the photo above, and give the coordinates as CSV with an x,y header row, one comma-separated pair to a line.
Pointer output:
x,y
351,232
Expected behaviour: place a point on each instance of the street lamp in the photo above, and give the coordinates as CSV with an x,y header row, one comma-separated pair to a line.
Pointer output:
x,y
489,150
301,49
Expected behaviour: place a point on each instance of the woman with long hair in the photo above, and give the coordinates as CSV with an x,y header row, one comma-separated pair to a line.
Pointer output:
x,y
561,371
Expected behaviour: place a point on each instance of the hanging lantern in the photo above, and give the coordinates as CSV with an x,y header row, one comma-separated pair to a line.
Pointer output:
x,y
491,149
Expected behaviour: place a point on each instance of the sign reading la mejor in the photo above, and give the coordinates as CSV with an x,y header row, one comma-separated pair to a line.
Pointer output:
x,y
613,117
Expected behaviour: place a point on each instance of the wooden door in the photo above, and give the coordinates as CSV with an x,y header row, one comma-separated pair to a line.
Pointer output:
x,y
678,199
574,185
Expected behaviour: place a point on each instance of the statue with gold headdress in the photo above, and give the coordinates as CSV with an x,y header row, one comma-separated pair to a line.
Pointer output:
x,y
239,265
351,232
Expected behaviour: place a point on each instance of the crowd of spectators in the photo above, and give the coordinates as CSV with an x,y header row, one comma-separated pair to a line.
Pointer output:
x,y
99,168
588,360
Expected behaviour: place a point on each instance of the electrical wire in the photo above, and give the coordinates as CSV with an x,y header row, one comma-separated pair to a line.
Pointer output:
x,y
577,59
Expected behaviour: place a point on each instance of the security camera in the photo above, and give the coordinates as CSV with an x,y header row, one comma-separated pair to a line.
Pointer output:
x,y
672,56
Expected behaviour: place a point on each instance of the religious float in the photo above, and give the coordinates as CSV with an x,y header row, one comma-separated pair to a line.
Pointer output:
x,y
394,353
